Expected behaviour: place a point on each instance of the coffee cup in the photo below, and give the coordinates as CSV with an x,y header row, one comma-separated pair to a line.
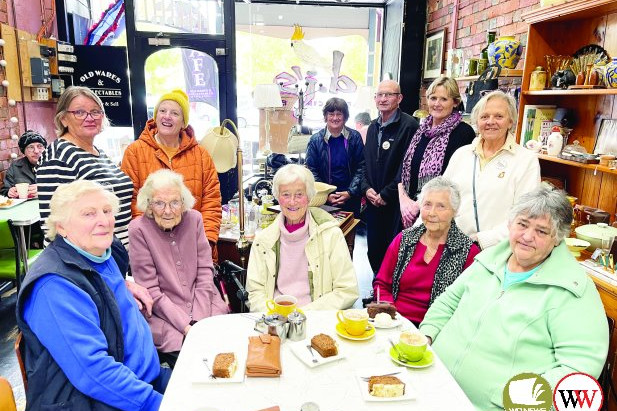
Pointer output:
x,y
412,345
354,321
22,190
283,305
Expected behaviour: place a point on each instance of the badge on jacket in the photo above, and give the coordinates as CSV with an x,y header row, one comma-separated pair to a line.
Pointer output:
x,y
385,145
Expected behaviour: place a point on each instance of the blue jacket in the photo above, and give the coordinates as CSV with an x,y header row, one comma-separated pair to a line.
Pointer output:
x,y
87,346
318,159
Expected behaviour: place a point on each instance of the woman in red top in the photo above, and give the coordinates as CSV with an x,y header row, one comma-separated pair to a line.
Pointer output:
x,y
423,260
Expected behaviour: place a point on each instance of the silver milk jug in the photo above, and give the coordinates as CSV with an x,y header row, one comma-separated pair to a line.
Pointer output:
x,y
297,326
277,325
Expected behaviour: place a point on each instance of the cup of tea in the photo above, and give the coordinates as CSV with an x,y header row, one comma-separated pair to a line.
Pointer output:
x,y
354,321
22,190
412,345
283,305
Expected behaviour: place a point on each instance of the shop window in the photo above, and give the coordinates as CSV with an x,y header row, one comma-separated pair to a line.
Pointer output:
x,y
179,16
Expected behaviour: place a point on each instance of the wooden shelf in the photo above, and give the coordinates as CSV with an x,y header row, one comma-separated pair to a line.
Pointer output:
x,y
573,10
584,92
597,167
505,73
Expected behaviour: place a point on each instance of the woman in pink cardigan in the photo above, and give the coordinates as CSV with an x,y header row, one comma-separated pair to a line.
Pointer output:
x,y
171,257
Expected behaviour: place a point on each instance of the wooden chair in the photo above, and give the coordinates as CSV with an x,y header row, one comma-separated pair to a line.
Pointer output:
x,y
18,352
7,399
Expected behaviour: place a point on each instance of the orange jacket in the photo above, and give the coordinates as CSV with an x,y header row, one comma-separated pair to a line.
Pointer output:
x,y
144,156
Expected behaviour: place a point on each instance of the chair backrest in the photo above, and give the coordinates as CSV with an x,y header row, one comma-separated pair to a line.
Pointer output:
x,y
19,341
7,399
6,236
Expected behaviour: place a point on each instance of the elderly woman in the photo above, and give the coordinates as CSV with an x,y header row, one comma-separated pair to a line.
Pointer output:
x,y
429,152
493,172
335,155
32,145
422,261
171,257
525,305
302,253
168,142
87,346
80,117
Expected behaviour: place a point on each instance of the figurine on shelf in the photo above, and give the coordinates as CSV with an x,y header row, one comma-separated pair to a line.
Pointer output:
x,y
563,78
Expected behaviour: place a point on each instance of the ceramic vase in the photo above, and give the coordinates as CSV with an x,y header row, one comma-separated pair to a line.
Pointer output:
x,y
610,73
505,52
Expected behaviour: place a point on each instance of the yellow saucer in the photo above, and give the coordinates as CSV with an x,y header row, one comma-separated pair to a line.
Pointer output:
x,y
340,330
270,312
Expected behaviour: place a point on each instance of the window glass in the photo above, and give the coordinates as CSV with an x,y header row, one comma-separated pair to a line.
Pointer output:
x,y
179,16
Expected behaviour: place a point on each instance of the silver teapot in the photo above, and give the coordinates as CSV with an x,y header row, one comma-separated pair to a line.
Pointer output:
x,y
297,326
277,325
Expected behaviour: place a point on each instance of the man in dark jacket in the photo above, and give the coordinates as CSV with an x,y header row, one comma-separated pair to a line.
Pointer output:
x,y
387,140
335,155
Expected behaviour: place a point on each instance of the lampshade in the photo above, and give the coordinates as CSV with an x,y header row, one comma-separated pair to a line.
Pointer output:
x,y
222,145
267,96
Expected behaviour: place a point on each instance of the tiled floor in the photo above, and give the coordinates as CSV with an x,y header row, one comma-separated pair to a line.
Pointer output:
x,y
9,368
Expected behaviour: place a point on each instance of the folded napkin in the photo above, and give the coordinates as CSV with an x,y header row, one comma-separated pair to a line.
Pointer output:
x,y
264,356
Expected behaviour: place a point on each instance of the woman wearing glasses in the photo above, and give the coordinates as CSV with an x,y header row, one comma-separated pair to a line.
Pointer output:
x,y
32,144
423,260
79,118
168,142
431,147
171,257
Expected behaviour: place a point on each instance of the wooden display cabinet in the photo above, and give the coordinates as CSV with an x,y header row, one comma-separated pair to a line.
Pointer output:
x,y
562,30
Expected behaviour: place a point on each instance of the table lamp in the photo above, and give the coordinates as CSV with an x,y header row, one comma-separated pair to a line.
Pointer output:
x,y
267,97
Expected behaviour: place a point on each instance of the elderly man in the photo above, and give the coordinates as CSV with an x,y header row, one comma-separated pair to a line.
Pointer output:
x,y
387,139
32,144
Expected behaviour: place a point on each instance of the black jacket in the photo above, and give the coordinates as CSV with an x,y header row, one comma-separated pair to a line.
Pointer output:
x,y
20,171
318,159
382,164
48,386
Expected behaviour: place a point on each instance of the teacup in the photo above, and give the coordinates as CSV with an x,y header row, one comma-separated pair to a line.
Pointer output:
x,y
283,305
22,190
355,322
412,345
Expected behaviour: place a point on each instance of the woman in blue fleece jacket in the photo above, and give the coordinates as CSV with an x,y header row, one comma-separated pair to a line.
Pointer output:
x,y
87,346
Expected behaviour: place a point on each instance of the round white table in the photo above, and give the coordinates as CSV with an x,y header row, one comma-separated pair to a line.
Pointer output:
x,y
332,386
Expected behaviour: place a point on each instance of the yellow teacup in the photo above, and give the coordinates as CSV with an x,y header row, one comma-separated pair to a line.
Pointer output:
x,y
412,345
283,305
354,321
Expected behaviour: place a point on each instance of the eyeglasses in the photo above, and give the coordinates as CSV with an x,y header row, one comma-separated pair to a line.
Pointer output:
x,y
160,206
386,95
82,114
35,147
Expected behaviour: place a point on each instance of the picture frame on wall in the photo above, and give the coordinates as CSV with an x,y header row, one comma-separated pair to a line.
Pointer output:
x,y
607,137
454,63
433,54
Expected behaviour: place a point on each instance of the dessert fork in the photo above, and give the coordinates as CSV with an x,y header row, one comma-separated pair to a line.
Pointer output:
x,y
382,375
205,361
312,353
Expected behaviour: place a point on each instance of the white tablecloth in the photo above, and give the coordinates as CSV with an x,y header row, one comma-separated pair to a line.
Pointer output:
x,y
332,386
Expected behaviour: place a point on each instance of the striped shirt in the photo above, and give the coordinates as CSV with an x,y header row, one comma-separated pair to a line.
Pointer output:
x,y
63,162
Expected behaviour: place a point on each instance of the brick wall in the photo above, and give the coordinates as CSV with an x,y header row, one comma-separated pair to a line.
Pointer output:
x,y
475,18
31,115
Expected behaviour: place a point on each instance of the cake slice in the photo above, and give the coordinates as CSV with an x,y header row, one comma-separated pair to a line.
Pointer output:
x,y
224,365
324,345
375,308
386,386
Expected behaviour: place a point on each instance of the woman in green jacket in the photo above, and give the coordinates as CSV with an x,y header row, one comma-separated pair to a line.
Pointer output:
x,y
525,305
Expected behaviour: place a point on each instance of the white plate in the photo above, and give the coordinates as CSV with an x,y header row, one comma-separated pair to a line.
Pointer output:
x,y
304,355
395,323
201,375
14,202
410,393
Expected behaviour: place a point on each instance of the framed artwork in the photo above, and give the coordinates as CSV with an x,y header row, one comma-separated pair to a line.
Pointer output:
x,y
433,54
454,63
606,142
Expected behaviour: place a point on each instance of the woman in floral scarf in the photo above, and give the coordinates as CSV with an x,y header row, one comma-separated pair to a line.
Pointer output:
x,y
431,147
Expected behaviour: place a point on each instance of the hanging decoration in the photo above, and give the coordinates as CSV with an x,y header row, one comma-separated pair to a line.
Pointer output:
x,y
107,24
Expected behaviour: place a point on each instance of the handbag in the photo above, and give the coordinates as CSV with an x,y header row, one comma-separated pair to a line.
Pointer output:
x,y
264,356
486,82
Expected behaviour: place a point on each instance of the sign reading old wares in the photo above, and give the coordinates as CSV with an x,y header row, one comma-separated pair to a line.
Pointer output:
x,y
104,69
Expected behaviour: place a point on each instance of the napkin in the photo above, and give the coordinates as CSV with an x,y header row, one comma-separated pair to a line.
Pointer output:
x,y
264,356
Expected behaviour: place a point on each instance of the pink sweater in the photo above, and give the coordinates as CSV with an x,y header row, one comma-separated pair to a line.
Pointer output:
x,y
417,279
176,268
293,265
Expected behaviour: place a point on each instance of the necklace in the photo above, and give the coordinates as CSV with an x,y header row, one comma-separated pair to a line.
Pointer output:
x,y
431,248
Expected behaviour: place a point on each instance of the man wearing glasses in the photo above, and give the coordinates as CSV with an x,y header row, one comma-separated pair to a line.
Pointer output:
x,y
387,139
32,144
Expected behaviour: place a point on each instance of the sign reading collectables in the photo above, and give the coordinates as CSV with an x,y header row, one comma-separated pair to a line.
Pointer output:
x,y
104,69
